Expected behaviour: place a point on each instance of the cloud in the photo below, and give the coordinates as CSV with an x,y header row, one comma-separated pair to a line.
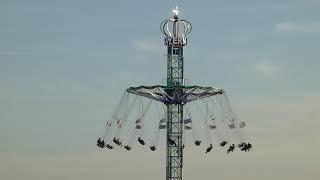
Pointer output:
x,y
298,27
148,46
267,69
12,52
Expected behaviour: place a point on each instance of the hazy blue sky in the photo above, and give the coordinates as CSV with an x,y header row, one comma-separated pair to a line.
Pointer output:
x,y
65,63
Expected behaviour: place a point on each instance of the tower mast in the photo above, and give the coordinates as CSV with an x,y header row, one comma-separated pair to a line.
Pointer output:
x,y
175,40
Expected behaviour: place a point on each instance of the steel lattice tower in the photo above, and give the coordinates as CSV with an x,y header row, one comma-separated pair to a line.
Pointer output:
x,y
175,40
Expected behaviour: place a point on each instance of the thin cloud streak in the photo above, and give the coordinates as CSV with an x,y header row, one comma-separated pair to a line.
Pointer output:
x,y
311,27
267,69
12,53
148,46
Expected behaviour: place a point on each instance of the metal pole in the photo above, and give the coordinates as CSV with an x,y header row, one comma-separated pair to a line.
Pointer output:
x,y
175,40
174,109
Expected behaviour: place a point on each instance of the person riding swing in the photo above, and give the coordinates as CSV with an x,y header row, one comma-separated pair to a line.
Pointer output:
x,y
209,148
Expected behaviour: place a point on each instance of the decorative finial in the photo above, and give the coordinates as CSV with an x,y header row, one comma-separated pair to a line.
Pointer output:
x,y
176,30
176,12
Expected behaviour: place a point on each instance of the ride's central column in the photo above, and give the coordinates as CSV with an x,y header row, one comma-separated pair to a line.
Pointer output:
x,y
176,31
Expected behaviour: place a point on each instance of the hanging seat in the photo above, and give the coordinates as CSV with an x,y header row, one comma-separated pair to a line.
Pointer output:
x,y
153,148
197,142
108,124
127,147
232,126
109,146
209,148
117,141
138,121
162,126
100,143
241,145
246,147
223,143
242,124
231,148
187,121
141,141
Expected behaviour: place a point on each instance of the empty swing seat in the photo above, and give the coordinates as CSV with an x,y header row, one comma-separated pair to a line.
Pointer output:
x,y
232,126
162,126
187,121
108,124
242,124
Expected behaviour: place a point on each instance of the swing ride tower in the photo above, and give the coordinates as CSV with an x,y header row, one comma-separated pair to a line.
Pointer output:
x,y
174,95
175,40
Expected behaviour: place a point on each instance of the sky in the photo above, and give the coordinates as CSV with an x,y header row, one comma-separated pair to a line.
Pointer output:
x,y
64,65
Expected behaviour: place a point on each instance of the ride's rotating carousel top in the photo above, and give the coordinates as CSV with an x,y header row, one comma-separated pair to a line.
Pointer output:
x,y
143,108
